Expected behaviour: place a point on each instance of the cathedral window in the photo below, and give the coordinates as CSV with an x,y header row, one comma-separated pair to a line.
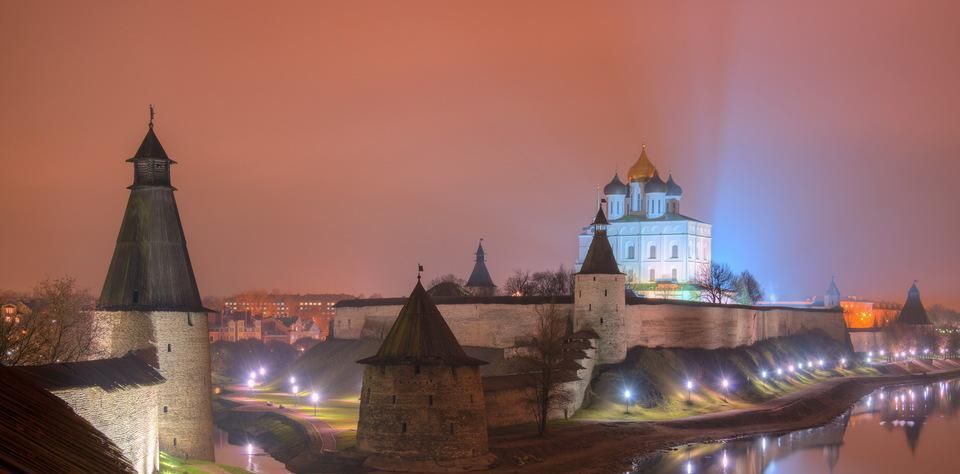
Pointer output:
x,y
631,252
675,251
653,251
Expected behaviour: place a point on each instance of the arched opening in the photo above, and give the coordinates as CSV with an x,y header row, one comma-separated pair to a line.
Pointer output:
x,y
673,274
653,251
675,251
653,275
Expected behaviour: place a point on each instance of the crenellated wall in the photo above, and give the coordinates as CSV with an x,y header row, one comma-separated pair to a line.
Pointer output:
x,y
128,416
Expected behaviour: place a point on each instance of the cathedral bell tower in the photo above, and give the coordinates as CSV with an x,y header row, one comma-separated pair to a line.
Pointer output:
x,y
150,301
600,296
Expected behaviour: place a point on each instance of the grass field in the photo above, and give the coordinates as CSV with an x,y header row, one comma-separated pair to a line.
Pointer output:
x,y
170,464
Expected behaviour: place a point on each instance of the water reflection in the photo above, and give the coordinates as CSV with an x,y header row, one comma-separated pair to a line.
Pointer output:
x,y
879,434
245,454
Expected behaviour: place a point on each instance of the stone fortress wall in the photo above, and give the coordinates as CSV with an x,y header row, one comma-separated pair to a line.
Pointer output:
x,y
647,322
127,416
182,404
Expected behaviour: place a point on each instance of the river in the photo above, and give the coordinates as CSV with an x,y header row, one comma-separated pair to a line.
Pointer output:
x,y
906,429
245,455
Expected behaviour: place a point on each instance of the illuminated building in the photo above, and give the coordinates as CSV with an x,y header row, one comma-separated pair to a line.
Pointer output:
x,y
660,250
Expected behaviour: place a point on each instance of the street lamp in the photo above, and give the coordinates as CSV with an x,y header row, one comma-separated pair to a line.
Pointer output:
x,y
263,371
250,384
253,374
296,398
763,374
314,397
689,389
626,401
293,380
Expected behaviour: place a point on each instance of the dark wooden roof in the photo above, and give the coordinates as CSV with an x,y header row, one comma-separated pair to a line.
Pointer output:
x,y
420,336
41,433
599,259
480,277
108,374
150,148
151,269
913,312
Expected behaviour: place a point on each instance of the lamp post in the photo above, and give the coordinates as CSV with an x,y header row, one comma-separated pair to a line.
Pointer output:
x,y
689,390
263,371
293,380
626,401
725,383
295,393
314,397
250,383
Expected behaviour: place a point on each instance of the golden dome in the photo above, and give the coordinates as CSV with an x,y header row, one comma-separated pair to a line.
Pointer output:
x,y
643,169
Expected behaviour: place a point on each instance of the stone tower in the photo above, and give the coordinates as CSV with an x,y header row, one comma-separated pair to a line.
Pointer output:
x,y
150,301
421,405
601,295
480,283
831,299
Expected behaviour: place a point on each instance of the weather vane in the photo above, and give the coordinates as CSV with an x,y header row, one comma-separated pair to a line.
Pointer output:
x,y
419,271
152,113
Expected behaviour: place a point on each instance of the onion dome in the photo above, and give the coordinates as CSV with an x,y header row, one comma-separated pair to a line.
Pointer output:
x,y
673,189
643,169
616,187
655,185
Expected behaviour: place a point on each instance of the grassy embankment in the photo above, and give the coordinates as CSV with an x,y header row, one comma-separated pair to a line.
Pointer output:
x,y
174,465
657,377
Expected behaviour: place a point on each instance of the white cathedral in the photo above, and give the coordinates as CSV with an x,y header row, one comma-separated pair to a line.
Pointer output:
x,y
658,249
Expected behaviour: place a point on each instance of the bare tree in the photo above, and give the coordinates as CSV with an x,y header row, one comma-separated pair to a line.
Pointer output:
x,y
715,282
543,360
748,289
450,277
60,327
519,284
552,282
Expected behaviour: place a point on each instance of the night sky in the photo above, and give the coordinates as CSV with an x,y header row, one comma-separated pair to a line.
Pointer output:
x,y
333,146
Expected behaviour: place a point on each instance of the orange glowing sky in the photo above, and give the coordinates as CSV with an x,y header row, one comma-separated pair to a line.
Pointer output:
x,y
331,146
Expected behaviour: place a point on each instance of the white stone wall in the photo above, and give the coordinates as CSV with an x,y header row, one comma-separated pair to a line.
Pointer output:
x,y
129,417
651,325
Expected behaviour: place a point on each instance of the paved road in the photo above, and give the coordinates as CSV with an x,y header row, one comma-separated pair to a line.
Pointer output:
x,y
321,434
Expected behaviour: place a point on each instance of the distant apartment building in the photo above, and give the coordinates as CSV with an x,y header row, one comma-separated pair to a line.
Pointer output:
x,y
287,309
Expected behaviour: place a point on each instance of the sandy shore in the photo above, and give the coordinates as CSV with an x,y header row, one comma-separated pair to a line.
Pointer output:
x,y
596,447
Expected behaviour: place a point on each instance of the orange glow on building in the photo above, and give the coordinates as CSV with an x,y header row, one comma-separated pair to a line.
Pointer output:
x,y
863,314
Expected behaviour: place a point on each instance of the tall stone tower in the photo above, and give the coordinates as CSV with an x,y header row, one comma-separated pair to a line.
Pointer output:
x,y
601,295
831,299
421,405
150,301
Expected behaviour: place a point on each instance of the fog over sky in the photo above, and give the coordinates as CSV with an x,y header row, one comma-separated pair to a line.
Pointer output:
x,y
331,146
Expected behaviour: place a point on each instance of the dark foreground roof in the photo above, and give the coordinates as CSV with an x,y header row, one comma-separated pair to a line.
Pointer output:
x,y
40,433
109,374
420,336
599,259
913,311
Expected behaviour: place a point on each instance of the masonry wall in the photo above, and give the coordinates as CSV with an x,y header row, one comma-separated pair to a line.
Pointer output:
x,y
129,417
183,353
480,325
866,341
712,326
435,413
650,324
183,349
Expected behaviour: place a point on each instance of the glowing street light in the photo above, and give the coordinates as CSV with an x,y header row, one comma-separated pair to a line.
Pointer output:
x,y
627,395
293,380
819,362
295,391
689,385
763,374
791,368
253,374
779,371
250,384
314,397
263,371
843,362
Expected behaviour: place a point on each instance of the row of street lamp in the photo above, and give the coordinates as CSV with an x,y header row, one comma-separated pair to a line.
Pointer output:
x,y
294,388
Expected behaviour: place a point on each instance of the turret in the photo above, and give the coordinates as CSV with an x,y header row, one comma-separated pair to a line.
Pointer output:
x,y
832,297
480,283
421,403
600,295
150,300
616,193
913,312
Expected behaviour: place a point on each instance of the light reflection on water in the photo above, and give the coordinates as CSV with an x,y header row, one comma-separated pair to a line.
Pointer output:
x,y
246,455
880,434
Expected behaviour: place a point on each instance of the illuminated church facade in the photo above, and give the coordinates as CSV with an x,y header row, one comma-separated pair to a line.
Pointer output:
x,y
660,250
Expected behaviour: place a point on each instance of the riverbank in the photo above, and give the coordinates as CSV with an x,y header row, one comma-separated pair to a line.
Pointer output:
x,y
615,446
